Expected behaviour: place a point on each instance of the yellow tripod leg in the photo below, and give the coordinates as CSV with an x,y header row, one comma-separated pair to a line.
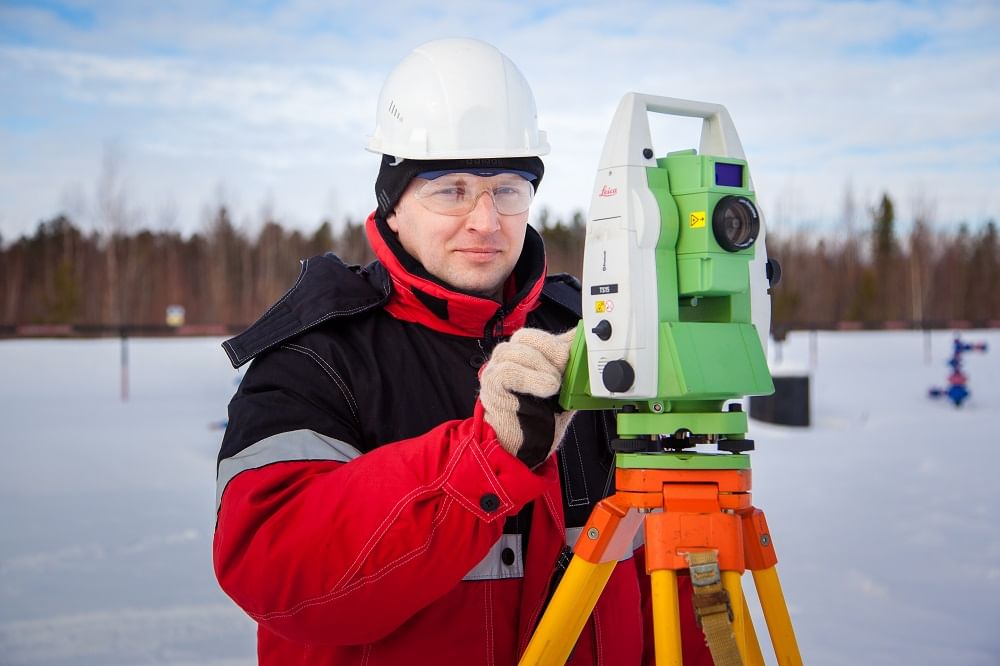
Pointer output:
x,y
746,638
666,617
571,605
779,623
755,655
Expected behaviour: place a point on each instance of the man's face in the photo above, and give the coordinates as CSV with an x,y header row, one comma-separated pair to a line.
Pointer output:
x,y
474,251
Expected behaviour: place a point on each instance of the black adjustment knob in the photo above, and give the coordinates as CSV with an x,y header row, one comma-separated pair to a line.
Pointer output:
x,y
772,269
632,445
618,376
602,330
735,445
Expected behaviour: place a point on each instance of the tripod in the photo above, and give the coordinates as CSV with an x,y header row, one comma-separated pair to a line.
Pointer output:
x,y
693,506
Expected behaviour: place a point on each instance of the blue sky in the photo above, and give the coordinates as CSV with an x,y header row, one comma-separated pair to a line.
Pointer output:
x,y
266,105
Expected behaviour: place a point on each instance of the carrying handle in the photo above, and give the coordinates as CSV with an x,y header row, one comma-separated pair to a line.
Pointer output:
x,y
629,135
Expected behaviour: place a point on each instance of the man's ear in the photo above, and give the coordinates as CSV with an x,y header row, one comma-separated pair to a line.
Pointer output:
x,y
393,222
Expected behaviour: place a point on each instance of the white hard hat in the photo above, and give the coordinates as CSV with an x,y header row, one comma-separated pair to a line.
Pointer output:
x,y
454,99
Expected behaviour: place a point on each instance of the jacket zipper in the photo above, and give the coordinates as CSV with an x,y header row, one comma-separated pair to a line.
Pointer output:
x,y
494,329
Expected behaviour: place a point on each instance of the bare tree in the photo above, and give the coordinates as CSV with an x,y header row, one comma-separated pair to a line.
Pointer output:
x,y
920,249
116,220
850,256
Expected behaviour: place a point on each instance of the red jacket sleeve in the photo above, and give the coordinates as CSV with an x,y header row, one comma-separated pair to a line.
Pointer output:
x,y
345,552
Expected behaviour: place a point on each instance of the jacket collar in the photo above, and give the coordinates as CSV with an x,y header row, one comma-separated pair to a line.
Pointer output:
x,y
417,296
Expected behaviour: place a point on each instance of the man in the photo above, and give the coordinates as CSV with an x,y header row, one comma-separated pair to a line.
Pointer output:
x,y
389,486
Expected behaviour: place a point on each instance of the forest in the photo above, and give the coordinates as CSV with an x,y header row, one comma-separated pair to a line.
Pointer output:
x,y
864,275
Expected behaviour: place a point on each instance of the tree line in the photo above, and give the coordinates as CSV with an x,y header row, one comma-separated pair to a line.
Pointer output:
x,y
927,278
226,275
220,275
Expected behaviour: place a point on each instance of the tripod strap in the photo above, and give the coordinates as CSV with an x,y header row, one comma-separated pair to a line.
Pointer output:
x,y
712,607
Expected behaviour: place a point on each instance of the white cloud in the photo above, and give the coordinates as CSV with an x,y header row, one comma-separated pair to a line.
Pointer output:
x,y
254,94
887,95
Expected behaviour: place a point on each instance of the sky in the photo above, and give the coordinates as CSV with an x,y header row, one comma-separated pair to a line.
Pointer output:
x,y
883,511
265,106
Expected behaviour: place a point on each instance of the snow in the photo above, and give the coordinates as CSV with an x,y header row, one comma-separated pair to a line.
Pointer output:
x,y
107,508
881,512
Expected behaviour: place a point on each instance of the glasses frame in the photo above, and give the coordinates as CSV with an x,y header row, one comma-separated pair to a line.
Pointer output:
x,y
420,193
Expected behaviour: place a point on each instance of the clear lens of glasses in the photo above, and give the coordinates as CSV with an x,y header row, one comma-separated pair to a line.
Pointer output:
x,y
458,193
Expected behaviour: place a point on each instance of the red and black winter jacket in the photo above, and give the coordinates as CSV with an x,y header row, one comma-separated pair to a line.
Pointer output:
x,y
367,513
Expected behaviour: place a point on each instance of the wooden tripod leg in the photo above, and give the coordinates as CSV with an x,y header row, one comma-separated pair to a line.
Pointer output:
x,y
754,654
779,623
762,561
606,538
746,637
571,605
666,617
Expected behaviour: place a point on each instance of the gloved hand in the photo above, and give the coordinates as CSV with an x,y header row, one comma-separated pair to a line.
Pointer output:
x,y
518,389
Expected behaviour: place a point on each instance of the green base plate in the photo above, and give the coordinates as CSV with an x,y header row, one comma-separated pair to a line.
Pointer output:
x,y
682,461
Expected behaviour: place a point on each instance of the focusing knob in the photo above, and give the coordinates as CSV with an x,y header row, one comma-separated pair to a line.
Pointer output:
x,y
773,271
602,330
618,376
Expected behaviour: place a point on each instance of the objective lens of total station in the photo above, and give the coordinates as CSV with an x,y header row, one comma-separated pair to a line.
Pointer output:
x,y
735,223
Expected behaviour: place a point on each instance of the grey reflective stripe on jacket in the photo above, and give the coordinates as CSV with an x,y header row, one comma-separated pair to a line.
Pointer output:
x,y
283,447
492,566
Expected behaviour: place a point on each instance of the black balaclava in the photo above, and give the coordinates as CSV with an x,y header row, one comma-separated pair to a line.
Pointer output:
x,y
393,178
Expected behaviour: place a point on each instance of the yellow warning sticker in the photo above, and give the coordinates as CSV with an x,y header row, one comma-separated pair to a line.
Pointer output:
x,y
697,219
598,306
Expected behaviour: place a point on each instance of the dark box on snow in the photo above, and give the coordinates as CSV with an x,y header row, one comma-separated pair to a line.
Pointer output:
x,y
789,405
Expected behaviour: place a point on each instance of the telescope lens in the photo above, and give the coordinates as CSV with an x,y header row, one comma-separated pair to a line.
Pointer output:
x,y
736,223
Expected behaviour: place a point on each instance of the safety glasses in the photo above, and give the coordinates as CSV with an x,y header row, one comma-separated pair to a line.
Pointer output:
x,y
458,193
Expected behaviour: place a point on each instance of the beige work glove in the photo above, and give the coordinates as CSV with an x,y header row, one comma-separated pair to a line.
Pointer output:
x,y
518,390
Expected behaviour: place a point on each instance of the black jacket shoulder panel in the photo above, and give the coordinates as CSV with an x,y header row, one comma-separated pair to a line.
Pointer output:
x,y
565,291
326,288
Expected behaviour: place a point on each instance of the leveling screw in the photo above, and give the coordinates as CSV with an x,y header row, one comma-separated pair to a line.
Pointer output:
x,y
593,533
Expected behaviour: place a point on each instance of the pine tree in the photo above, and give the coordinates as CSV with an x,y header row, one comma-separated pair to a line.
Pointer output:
x,y
882,279
883,233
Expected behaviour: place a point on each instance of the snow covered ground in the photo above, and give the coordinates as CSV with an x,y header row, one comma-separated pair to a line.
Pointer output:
x,y
107,508
881,511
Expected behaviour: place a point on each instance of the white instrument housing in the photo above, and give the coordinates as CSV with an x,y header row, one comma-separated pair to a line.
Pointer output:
x,y
619,267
